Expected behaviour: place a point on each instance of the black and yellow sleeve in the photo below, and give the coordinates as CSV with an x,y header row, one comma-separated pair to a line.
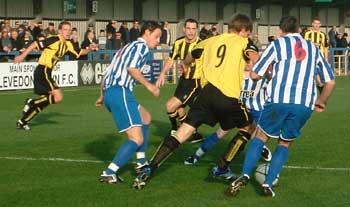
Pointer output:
x,y
47,42
250,48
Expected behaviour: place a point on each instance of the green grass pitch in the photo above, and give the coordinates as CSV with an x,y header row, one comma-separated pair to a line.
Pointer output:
x,y
58,162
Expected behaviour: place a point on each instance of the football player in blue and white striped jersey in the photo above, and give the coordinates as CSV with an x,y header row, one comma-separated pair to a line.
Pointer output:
x,y
292,97
117,95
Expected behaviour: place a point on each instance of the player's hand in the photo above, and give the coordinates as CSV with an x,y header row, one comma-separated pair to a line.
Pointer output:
x,y
182,69
93,46
154,90
18,59
319,107
99,101
160,81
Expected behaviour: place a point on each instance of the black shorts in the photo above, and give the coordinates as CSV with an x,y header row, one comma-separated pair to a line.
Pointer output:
x,y
212,106
187,90
43,82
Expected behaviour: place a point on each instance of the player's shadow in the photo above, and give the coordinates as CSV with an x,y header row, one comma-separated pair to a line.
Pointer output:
x,y
160,129
49,118
105,148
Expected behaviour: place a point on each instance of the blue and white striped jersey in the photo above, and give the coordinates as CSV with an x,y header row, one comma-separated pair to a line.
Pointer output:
x,y
296,63
133,55
253,93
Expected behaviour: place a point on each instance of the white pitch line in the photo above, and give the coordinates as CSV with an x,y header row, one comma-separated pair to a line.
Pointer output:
x,y
55,159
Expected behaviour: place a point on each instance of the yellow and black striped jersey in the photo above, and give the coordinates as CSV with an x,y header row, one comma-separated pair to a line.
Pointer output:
x,y
224,61
54,48
180,50
318,38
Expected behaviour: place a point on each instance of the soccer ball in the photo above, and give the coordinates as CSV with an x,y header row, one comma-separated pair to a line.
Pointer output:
x,y
261,172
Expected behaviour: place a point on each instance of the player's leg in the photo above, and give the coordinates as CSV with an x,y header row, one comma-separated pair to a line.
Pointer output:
x,y
266,153
279,158
49,94
269,125
125,112
290,130
166,148
196,116
123,155
190,93
171,143
238,116
172,106
141,151
207,145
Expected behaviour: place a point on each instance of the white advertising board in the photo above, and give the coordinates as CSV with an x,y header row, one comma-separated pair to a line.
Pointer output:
x,y
20,76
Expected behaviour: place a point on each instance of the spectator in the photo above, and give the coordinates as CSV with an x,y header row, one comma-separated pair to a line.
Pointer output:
x,y
165,37
5,40
135,31
7,25
75,42
17,44
17,24
213,31
256,41
91,39
111,27
27,39
90,28
124,31
204,33
271,38
118,42
21,32
50,30
35,29
109,41
332,34
102,40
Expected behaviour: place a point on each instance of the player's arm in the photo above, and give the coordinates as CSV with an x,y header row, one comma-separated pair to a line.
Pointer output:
x,y
324,96
24,54
327,77
99,101
168,64
263,64
37,44
92,46
161,79
137,75
326,46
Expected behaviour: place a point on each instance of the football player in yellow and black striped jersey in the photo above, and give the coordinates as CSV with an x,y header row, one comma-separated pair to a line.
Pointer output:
x,y
53,49
224,60
189,85
319,38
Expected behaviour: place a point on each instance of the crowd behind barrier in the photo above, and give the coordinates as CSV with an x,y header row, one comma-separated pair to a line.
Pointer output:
x,y
339,58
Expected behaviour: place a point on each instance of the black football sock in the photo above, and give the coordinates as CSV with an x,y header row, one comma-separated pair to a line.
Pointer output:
x,y
164,151
173,116
236,145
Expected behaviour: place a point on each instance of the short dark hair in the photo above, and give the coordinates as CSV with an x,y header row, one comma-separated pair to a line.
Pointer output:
x,y
63,23
239,22
289,24
191,21
316,18
149,25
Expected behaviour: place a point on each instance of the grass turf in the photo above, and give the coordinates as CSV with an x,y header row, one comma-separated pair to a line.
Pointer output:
x,y
76,130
